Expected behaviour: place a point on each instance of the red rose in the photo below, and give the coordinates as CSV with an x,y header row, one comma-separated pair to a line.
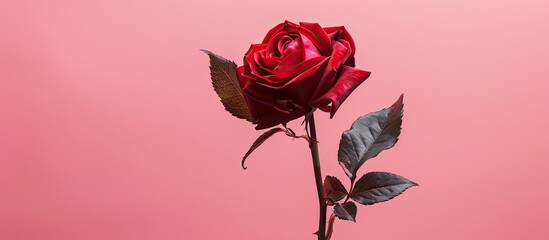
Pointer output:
x,y
297,68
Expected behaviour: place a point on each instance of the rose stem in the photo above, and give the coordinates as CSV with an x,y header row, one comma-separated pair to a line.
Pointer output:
x,y
318,179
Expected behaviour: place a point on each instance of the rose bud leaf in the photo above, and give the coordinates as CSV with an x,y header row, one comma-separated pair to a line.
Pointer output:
x,y
333,190
368,136
225,84
260,140
375,187
346,211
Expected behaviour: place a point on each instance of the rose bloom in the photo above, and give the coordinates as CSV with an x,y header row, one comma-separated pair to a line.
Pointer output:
x,y
297,68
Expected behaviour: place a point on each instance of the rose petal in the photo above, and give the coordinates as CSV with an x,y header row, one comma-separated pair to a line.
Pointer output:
x,y
272,44
339,55
249,75
349,79
269,62
283,77
272,117
268,111
334,36
288,62
249,62
292,46
323,44
241,78
341,52
318,68
272,32
260,63
243,81
283,42
301,87
308,48
320,35
344,34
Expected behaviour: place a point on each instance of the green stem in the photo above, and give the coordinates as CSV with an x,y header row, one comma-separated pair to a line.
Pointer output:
x,y
318,179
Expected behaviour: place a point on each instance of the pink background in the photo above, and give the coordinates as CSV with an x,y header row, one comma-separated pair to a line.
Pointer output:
x,y
109,127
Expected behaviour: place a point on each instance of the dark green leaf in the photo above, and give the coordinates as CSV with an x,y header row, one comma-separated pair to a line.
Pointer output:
x,y
225,84
375,187
346,211
260,140
333,190
368,136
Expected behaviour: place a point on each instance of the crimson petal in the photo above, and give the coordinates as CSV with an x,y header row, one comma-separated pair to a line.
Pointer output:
x,y
283,77
289,61
271,117
323,39
309,49
249,61
344,35
349,79
272,32
294,88
339,54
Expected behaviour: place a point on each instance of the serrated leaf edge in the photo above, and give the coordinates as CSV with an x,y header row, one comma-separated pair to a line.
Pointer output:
x,y
353,218
352,175
241,110
337,181
412,184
